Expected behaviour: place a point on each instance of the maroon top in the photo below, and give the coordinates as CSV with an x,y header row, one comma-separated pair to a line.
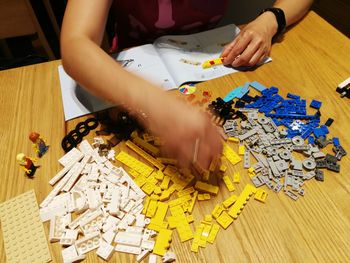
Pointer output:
x,y
141,21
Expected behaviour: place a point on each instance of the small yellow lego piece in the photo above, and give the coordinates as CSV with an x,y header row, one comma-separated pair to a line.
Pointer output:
x,y
206,175
228,183
223,168
196,238
251,170
183,228
232,139
224,220
158,218
180,200
148,188
260,195
230,154
157,190
212,62
144,155
165,183
165,195
133,173
146,146
213,233
236,177
192,202
145,205
151,179
241,149
140,180
229,201
167,161
186,191
208,188
159,175
200,197
241,201
206,196
214,163
134,164
208,218
190,219
218,209
152,208
162,242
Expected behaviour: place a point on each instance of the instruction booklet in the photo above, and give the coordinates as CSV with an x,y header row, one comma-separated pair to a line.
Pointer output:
x,y
169,62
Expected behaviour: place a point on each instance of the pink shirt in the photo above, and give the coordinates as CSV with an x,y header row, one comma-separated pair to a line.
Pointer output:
x,y
141,21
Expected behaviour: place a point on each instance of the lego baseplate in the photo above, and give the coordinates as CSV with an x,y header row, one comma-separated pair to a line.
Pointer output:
x,y
23,231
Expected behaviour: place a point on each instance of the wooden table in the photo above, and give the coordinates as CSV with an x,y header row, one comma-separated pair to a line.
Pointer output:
x,y
311,60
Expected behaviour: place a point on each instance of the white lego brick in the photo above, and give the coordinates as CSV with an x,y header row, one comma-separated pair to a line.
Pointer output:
x,y
129,239
87,168
72,156
143,255
147,244
79,201
60,174
57,227
74,177
128,249
134,230
47,213
105,250
169,257
93,223
88,243
69,237
140,220
152,258
111,155
70,255
110,223
129,205
109,236
108,164
131,183
85,147
75,223
93,198
113,206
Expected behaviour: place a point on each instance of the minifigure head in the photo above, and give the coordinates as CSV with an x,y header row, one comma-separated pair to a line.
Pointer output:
x,y
21,158
34,136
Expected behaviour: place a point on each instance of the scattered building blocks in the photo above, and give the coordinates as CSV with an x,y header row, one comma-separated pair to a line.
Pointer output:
x,y
207,188
224,220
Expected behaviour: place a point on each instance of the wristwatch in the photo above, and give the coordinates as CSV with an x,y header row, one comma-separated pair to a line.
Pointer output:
x,y
280,17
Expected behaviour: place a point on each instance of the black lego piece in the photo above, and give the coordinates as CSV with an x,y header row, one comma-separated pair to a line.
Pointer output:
x,y
329,122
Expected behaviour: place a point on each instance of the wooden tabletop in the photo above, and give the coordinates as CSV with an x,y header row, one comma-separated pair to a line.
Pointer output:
x,y
311,61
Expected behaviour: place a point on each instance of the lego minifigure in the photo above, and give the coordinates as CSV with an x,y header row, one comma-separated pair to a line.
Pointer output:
x,y
39,144
27,164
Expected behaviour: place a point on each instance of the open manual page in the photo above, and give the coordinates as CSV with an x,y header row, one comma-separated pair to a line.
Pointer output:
x,y
169,62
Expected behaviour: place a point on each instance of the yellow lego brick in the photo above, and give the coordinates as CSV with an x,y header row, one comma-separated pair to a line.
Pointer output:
x,y
241,150
206,231
154,197
165,183
218,209
212,62
230,154
208,188
172,220
229,201
206,196
167,161
148,188
145,155
252,174
146,146
260,195
158,218
251,170
190,219
133,163
159,175
133,173
200,197
164,196
213,233
162,242
228,183
241,201
224,220
152,179
232,139
196,238
180,200
147,137
208,218
140,180
183,228
158,190
172,188
202,242
213,164
223,168
192,203
145,205
152,208
186,191
236,177
206,175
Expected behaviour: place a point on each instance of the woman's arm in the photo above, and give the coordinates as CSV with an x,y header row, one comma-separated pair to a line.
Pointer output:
x,y
253,43
179,124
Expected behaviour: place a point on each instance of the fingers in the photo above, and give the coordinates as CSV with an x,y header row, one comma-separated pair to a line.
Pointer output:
x,y
236,48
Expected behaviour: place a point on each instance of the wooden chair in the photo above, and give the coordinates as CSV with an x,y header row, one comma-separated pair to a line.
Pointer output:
x,y
17,18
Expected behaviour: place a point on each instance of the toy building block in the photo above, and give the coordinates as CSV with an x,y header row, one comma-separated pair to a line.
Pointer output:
x,y
256,85
207,188
218,209
241,149
196,238
163,242
70,254
228,183
260,195
224,220
88,243
146,146
241,201
129,239
158,219
133,163
105,250
145,155
213,233
39,144
230,154
232,139
316,104
236,177
212,62
143,255
223,168
169,257
23,231
128,249
229,201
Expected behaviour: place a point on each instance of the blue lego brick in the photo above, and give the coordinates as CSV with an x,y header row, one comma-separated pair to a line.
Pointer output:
x,y
256,85
336,141
293,96
319,132
307,133
324,129
232,94
315,104
244,90
311,140
291,116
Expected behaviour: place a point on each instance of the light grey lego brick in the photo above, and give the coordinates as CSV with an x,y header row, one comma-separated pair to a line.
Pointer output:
x,y
246,163
278,187
309,164
281,165
318,155
296,164
247,134
301,148
292,195
256,181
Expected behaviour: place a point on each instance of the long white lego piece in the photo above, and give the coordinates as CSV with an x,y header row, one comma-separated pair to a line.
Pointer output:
x,y
76,175
72,156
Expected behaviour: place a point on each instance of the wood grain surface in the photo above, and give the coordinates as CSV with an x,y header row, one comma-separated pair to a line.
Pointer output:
x,y
311,61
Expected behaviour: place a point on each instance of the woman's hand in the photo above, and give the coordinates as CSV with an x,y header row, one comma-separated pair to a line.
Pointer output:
x,y
253,43
181,125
